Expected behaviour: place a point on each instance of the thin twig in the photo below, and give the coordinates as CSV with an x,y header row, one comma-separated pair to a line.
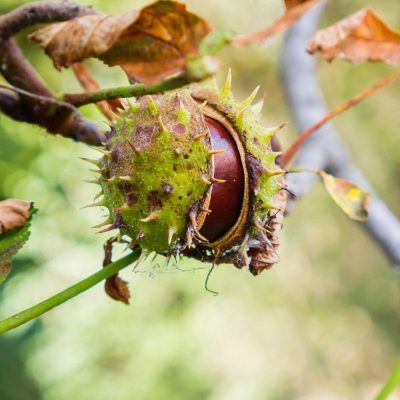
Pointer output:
x,y
38,13
137,89
19,72
288,19
67,294
295,147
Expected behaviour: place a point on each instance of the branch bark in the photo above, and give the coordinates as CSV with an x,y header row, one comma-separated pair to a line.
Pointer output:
x,y
325,150
17,70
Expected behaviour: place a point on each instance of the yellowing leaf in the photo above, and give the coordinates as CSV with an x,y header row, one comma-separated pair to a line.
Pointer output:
x,y
15,216
363,36
349,197
149,44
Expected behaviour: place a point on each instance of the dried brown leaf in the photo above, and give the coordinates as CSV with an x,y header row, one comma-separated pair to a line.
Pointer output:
x,y
117,289
15,218
149,44
363,36
13,214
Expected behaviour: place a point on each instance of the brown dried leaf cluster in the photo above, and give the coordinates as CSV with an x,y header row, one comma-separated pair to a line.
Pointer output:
x,y
363,36
13,214
149,44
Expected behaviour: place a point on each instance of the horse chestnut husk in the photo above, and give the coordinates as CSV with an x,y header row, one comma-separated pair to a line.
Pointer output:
x,y
191,172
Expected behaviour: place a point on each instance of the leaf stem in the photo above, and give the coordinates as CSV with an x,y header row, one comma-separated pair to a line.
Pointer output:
x,y
67,294
295,147
391,384
137,89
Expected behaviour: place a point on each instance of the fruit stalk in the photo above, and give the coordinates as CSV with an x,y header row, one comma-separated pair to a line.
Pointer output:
x,y
67,294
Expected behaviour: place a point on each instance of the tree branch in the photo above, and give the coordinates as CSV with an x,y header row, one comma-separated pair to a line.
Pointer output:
x,y
325,150
38,13
67,294
19,72
135,90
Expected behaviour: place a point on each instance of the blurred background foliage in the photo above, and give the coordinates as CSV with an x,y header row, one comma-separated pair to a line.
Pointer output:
x,y
323,324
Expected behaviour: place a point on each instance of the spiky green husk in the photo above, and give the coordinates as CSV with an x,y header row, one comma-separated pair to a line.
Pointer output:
x,y
152,176
157,171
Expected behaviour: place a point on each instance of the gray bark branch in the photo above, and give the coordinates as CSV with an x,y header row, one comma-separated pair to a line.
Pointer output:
x,y
325,150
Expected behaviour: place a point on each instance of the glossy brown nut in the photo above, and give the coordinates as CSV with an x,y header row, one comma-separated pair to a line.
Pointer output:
x,y
227,197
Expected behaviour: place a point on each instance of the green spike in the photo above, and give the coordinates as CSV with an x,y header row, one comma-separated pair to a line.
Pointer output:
x,y
203,105
133,106
124,207
277,172
183,115
161,123
274,130
98,195
152,106
240,117
257,107
102,150
201,135
250,99
171,232
226,89
151,217
93,161
100,203
96,171
108,221
97,182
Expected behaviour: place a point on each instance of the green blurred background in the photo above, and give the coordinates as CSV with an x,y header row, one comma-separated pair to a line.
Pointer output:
x,y
321,325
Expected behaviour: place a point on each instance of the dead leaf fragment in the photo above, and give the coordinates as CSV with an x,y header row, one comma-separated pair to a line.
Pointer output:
x,y
363,36
15,218
149,44
349,197
13,214
117,289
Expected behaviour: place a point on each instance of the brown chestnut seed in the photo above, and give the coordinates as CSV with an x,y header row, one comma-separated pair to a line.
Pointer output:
x,y
227,194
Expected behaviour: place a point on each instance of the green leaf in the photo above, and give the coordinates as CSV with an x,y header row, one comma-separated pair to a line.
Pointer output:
x,y
349,197
12,240
216,41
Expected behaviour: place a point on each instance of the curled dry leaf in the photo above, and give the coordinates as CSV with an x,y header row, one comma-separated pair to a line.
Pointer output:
x,y
114,286
13,214
363,36
294,10
149,44
117,289
349,197
15,217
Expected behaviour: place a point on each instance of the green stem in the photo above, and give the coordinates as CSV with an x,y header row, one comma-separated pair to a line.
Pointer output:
x,y
135,90
67,294
391,384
